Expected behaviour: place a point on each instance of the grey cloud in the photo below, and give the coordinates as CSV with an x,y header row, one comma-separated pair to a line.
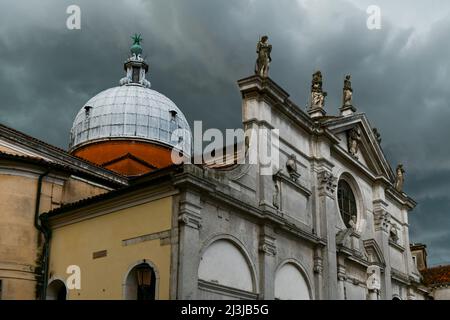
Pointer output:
x,y
198,49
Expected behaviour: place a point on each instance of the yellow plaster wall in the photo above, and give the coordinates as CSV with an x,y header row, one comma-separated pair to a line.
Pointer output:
x,y
103,278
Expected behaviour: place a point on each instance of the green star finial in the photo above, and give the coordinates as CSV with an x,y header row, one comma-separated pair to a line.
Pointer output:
x,y
136,47
137,39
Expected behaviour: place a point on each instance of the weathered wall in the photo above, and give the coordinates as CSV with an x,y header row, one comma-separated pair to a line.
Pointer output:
x,y
20,242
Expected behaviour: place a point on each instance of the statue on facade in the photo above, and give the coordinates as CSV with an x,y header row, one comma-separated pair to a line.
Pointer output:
x,y
263,49
393,233
400,178
276,196
348,92
317,94
291,166
373,282
352,222
377,135
354,138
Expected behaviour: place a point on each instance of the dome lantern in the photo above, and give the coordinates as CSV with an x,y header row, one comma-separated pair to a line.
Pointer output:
x,y
135,66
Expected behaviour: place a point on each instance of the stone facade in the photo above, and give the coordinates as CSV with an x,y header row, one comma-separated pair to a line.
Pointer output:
x,y
304,229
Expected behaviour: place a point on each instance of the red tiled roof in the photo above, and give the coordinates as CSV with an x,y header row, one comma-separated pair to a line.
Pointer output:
x,y
436,275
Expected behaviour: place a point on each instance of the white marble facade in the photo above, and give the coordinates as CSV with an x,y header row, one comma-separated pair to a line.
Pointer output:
x,y
238,243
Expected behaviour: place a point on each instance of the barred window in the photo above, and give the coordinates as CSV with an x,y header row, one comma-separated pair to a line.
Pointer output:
x,y
346,201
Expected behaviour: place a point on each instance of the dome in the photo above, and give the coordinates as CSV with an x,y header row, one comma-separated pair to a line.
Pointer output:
x,y
131,112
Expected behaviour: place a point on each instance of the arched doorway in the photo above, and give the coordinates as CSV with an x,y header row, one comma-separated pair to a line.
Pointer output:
x,y
56,290
140,283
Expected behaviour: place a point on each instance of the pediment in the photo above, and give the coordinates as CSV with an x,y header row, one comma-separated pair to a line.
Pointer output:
x,y
369,152
373,252
129,164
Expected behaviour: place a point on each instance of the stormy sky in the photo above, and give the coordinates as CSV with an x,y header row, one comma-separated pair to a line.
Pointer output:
x,y
197,49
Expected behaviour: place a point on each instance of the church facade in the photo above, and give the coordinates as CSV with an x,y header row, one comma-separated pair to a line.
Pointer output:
x,y
330,220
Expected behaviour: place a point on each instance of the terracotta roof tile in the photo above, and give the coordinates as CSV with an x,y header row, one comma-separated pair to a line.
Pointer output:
x,y
436,275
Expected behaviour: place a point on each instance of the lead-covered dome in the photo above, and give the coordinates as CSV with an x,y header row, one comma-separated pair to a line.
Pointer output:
x,y
131,111
131,129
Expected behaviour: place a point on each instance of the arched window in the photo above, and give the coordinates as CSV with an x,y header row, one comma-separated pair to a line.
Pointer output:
x,y
141,283
346,201
56,290
290,284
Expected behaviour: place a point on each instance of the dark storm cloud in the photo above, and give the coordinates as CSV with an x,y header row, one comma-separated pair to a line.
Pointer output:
x,y
198,49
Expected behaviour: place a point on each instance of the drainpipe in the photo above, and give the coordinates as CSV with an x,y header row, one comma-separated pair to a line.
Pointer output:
x,y
46,232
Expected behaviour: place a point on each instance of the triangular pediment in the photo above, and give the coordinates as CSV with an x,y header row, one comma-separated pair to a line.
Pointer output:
x,y
129,165
369,152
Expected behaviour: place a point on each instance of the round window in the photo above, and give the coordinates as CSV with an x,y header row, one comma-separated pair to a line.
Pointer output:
x,y
347,203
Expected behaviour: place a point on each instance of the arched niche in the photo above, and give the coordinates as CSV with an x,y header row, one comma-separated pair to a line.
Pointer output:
x,y
291,284
224,263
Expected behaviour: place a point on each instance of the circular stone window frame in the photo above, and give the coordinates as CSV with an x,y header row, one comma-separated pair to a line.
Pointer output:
x,y
360,208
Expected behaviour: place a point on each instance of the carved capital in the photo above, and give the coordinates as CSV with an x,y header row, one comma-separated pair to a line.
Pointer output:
x,y
190,220
382,219
318,265
267,245
190,211
327,183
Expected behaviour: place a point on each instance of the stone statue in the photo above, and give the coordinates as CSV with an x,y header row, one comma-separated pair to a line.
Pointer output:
x,y
352,222
317,94
393,233
316,84
373,282
348,92
400,178
276,196
263,49
291,166
354,138
377,134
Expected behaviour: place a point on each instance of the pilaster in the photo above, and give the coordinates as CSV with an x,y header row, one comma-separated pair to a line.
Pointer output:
x,y
327,214
189,224
382,226
267,251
